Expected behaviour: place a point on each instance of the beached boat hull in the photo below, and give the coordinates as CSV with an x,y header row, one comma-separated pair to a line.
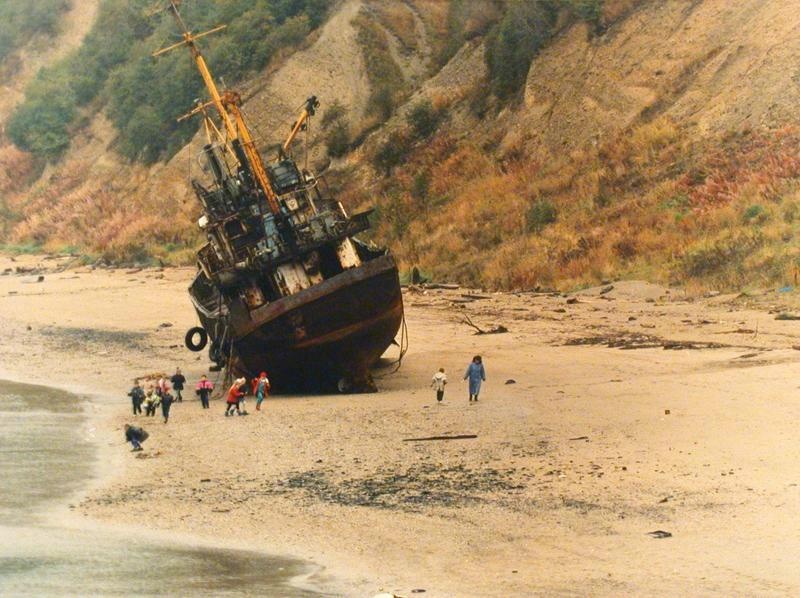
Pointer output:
x,y
322,338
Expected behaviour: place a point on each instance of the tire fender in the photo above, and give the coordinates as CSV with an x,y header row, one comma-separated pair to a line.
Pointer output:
x,y
189,339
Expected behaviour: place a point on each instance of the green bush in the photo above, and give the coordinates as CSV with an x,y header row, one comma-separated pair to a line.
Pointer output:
x,y
385,77
20,19
40,124
334,113
421,185
337,139
725,252
541,213
423,119
391,153
524,29
590,11
755,214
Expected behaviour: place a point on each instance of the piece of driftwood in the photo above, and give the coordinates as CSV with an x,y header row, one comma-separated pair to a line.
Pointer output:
x,y
499,329
452,437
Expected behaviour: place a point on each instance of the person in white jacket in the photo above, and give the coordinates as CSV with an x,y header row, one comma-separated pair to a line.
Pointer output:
x,y
438,383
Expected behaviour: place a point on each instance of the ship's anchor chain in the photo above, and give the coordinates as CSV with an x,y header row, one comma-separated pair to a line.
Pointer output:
x,y
403,344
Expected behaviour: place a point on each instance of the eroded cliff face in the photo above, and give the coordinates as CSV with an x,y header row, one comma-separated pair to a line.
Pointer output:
x,y
706,67
712,65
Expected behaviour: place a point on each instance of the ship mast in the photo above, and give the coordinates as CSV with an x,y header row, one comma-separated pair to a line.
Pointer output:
x,y
227,105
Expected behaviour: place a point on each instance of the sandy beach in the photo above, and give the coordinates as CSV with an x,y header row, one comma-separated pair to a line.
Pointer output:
x,y
607,414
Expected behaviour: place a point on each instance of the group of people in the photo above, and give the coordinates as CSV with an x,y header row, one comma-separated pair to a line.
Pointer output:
x,y
235,399
476,374
157,395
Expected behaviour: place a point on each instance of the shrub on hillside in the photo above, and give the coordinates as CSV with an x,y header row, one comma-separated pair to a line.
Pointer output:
x,y
725,252
391,153
21,19
337,140
755,214
423,119
385,77
540,214
514,41
335,112
337,131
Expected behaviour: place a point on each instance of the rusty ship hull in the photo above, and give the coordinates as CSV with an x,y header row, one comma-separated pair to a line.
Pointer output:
x,y
318,339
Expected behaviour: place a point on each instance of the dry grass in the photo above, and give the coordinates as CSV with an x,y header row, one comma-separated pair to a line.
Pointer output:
x,y
648,204
398,19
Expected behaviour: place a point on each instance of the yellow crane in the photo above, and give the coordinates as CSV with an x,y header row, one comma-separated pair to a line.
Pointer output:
x,y
227,105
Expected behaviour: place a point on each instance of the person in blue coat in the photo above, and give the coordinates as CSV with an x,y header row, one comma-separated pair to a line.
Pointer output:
x,y
476,374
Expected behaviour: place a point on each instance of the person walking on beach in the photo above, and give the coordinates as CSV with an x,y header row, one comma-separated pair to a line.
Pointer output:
x,y
137,396
166,402
162,387
203,390
235,393
476,374
136,436
150,403
438,383
178,380
261,388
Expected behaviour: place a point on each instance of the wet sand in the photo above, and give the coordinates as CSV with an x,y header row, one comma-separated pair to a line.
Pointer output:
x,y
630,411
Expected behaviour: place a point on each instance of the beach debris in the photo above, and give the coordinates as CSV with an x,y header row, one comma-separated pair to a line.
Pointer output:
x,y
667,412
665,499
148,455
572,301
205,480
607,289
474,297
642,341
450,437
511,381
659,533
165,325
580,438
442,286
28,327
499,329
787,316
40,278
417,591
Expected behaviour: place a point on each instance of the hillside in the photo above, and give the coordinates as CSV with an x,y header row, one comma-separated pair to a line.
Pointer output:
x,y
644,138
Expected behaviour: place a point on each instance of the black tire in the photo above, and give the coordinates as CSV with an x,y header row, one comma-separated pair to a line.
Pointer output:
x,y
189,339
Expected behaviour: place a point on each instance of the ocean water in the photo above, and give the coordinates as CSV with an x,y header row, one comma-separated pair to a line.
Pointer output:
x,y
46,456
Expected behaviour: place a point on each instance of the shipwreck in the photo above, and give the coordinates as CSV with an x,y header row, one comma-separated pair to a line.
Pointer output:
x,y
283,283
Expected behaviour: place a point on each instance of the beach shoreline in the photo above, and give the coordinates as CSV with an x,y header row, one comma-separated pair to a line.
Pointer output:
x,y
607,414
108,463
